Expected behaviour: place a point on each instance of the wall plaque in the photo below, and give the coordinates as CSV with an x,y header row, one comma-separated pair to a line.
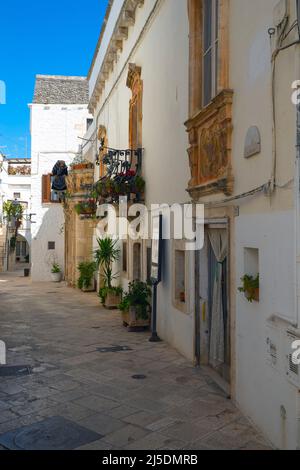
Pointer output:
x,y
252,142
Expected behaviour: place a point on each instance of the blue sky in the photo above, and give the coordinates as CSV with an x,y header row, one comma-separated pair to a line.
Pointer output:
x,y
55,37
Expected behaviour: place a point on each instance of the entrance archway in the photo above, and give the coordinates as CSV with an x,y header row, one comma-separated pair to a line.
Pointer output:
x,y
22,250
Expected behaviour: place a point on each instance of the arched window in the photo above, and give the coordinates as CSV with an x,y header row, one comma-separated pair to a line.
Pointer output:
x,y
135,84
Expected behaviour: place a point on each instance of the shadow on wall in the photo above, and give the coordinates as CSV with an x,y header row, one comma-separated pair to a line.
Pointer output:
x,y
48,244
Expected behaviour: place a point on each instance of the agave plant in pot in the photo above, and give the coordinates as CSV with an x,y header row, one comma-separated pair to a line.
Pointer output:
x,y
106,254
56,273
135,306
86,281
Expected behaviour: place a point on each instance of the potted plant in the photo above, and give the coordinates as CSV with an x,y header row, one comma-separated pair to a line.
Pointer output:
x,y
80,163
110,296
86,207
56,273
250,287
106,254
86,280
135,306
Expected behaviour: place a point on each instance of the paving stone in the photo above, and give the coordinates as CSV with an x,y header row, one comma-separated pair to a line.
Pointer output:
x,y
35,406
18,422
68,410
6,415
125,436
176,407
97,403
102,423
121,411
184,431
51,434
155,441
97,445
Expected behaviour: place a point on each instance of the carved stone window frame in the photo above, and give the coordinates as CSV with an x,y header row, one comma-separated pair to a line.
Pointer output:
x,y
209,127
135,84
102,135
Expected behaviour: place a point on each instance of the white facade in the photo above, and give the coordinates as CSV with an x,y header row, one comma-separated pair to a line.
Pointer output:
x,y
163,59
16,187
55,135
263,227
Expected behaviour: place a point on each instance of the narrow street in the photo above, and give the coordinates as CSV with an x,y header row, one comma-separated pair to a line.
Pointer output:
x,y
97,404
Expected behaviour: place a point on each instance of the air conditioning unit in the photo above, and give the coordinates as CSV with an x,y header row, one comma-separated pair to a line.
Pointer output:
x,y
292,369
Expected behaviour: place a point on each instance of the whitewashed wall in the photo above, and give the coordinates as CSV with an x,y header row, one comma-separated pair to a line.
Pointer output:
x,y
10,184
55,132
266,224
162,55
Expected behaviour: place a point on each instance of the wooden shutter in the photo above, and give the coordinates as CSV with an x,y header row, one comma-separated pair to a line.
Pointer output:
x,y
46,189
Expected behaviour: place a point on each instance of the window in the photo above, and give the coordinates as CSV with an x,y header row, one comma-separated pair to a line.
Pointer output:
x,y
149,263
137,261
124,258
135,83
180,276
17,195
46,189
210,99
89,122
210,49
48,196
51,245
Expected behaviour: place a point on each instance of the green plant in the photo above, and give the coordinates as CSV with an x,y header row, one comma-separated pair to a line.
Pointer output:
x,y
139,184
250,286
55,268
12,243
106,254
88,206
104,291
137,296
87,271
12,209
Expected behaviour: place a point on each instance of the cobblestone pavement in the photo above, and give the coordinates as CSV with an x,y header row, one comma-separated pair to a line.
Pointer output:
x,y
58,330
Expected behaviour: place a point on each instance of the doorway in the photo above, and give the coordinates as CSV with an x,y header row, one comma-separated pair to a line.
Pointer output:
x,y
22,250
213,305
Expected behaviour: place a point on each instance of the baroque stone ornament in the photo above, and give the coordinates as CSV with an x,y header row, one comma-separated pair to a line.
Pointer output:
x,y
210,132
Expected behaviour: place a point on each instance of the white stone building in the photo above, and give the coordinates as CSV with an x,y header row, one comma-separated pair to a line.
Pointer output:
x,y
15,185
223,71
59,118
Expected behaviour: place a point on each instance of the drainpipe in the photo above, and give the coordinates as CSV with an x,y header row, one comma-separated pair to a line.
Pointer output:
x,y
297,189
297,221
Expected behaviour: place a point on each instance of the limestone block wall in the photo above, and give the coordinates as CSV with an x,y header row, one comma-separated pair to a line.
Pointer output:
x,y
78,231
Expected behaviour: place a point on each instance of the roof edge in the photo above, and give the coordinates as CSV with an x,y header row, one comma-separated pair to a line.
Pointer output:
x,y
60,77
102,31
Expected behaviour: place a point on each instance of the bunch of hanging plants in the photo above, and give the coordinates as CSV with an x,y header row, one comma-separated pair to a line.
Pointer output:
x,y
86,207
123,184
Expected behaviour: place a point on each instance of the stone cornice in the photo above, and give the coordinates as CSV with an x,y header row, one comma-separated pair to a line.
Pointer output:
x,y
120,34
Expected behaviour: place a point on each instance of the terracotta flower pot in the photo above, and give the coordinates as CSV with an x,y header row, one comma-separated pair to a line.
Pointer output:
x,y
252,293
81,166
